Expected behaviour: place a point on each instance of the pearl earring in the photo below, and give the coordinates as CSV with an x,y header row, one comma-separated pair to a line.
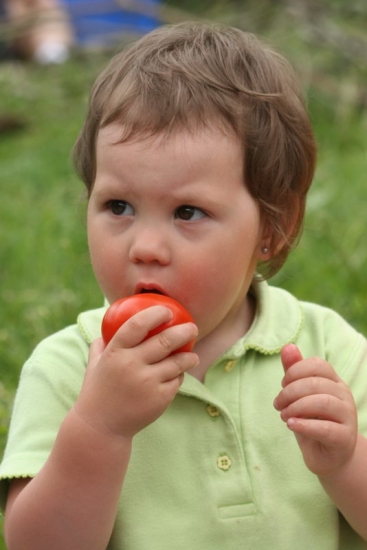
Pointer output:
x,y
264,250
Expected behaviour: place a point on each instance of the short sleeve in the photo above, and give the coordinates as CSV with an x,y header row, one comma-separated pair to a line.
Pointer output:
x,y
327,335
49,385
346,350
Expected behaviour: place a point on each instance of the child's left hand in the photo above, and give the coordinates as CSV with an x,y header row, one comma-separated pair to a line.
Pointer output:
x,y
319,408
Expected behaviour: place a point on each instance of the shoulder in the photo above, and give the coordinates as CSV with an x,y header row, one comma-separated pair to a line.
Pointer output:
x,y
287,308
333,338
67,348
77,336
325,333
317,330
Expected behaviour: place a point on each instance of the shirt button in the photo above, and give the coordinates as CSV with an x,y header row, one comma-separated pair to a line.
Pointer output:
x,y
224,462
230,365
213,411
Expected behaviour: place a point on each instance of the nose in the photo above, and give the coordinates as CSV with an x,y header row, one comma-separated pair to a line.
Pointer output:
x,y
150,245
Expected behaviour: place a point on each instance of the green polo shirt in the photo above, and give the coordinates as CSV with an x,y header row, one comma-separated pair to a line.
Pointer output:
x,y
219,469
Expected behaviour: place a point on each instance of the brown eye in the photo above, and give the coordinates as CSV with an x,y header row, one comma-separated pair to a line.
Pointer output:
x,y
189,213
120,208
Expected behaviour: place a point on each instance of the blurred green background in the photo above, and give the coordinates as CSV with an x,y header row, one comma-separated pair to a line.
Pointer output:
x,y
45,275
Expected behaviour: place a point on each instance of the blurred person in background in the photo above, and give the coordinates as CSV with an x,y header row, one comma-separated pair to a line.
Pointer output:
x,y
41,29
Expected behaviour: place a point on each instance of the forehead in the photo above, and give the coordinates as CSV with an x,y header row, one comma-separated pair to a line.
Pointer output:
x,y
205,155
180,140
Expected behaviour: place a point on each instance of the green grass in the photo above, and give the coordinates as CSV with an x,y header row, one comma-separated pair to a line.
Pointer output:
x,y
328,267
329,263
44,270
45,276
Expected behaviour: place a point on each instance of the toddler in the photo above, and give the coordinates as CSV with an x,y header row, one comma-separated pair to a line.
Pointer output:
x,y
197,154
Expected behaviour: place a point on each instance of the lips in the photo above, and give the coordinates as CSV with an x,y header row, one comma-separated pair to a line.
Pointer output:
x,y
143,288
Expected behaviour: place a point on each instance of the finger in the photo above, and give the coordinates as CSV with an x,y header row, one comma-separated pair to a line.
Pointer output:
x,y
323,406
137,328
176,365
163,344
95,351
290,355
330,434
309,386
169,389
308,368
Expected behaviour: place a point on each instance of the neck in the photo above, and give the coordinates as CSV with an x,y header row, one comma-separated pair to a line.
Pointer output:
x,y
223,337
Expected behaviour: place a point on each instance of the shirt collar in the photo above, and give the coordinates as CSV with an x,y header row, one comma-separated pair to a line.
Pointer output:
x,y
278,321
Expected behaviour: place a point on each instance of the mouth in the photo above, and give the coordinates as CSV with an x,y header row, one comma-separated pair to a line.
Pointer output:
x,y
149,290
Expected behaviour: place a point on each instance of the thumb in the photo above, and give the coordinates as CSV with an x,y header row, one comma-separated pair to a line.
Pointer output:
x,y
95,351
290,355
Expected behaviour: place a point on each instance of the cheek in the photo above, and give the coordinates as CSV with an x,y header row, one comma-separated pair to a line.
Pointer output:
x,y
219,274
203,279
104,262
96,249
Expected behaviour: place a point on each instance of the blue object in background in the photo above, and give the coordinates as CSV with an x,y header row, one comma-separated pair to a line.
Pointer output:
x,y
103,22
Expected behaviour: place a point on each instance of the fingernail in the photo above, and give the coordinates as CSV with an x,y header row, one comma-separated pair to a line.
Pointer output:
x,y
170,311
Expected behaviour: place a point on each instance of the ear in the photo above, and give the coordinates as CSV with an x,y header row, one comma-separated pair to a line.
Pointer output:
x,y
266,243
272,242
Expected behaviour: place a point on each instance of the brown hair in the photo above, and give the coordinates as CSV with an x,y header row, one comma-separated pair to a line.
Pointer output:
x,y
195,75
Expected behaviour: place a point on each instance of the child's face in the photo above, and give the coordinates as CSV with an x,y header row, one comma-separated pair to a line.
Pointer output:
x,y
175,216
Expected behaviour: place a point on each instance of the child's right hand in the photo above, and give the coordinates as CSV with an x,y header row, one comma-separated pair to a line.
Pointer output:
x,y
131,382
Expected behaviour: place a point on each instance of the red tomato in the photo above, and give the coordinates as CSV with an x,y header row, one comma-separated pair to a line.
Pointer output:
x,y
121,310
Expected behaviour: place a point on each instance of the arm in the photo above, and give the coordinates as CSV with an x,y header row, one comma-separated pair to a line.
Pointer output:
x,y
72,501
319,408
